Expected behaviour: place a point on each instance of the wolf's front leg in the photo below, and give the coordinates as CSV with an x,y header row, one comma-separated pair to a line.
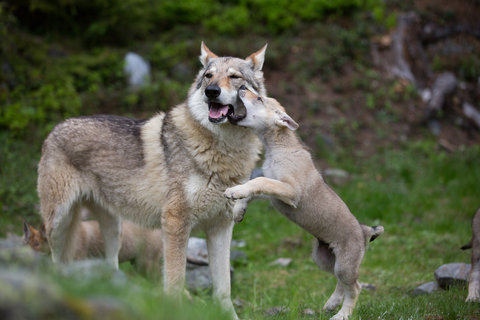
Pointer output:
x,y
219,237
175,231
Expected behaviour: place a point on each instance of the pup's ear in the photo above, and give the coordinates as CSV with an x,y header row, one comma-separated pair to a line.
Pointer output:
x,y
256,59
43,231
284,120
206,54
26,231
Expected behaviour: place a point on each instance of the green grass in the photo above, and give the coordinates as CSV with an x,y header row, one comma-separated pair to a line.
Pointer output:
x,y
423,196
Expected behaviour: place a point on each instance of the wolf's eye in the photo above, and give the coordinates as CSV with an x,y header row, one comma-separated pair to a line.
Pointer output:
x,y
234,76
208,75
259,99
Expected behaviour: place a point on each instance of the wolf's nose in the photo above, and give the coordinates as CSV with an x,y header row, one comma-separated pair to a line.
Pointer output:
x,y
213,91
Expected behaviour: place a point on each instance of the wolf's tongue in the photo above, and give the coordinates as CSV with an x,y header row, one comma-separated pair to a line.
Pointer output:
x,y
219,112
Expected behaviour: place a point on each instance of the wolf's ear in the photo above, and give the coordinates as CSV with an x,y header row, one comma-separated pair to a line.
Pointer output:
x,y
256,59
284,120
206,54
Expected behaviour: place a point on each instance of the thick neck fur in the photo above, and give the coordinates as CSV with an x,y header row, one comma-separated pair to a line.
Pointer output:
x,y
231,154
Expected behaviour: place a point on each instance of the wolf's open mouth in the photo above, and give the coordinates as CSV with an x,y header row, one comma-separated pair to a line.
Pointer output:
x,y
217,112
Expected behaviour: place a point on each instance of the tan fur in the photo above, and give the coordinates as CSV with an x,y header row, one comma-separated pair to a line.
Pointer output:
x,y
169,171
299,192
474,244
139,245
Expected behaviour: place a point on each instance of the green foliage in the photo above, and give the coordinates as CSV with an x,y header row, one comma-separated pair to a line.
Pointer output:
x,y
121,21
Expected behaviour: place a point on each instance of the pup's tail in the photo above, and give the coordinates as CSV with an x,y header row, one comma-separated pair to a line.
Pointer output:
x,y
372,233
467,246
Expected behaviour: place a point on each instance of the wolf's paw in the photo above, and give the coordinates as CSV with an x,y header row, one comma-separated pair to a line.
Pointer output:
x,y
473,298
237,192
340,316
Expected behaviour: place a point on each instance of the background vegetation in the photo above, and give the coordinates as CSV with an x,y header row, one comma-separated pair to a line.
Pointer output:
x,y
65,58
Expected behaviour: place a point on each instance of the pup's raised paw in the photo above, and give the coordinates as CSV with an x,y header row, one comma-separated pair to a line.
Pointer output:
x,y
239,210
237,192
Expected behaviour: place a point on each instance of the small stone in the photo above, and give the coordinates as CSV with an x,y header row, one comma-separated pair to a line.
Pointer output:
x,y
368,286
282,262
275,311
452,274
309,312
425,288
198,278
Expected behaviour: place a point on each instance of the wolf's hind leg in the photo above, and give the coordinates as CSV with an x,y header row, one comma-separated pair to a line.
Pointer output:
x,y
61,233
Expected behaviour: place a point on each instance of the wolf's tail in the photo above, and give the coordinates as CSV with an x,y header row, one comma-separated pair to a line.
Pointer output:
x,y
372,233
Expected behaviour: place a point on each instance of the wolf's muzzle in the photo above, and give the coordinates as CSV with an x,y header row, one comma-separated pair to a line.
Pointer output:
x,y
213,91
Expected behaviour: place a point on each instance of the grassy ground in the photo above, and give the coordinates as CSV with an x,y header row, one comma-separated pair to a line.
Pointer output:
x,y
423,196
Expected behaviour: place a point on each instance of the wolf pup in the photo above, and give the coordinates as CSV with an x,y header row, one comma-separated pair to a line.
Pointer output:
x,y
139,245
169,171
299,192
474,244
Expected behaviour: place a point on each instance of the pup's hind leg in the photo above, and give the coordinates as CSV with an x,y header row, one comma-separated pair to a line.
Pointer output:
x,y
111,227
474,283
325,260
346,271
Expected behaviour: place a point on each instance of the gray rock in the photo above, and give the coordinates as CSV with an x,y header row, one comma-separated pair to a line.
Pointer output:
x,y
197,251
137,70
425,288
276,311
282,262
24,295
452,274
14,256
92,269
198,278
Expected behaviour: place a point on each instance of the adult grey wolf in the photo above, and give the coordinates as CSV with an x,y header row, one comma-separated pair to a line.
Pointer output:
x,y
474,244
168,171
142,246
299,192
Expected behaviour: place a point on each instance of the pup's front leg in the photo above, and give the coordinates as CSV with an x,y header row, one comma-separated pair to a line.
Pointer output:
x,y
264,186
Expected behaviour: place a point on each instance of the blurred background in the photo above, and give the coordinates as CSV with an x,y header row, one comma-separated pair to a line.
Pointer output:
x,y
352,72
386,93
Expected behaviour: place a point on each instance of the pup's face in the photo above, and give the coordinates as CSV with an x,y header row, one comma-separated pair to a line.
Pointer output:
x,y
36,239
214,96
262,112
